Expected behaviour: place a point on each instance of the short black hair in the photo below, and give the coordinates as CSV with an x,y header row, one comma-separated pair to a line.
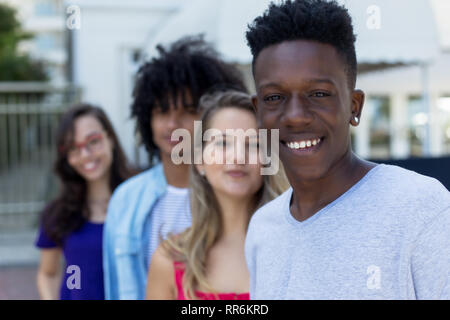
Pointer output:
x,y
189,65
316,20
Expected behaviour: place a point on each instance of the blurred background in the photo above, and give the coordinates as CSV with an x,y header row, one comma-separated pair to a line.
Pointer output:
x,y
54,53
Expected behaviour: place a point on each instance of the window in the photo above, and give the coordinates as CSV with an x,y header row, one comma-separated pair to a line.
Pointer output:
x,y
44,8
379,115
417,122
48,41
444,109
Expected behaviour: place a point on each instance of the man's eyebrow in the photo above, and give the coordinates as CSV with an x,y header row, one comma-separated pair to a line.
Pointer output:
x,y
321,80
309,81
270,84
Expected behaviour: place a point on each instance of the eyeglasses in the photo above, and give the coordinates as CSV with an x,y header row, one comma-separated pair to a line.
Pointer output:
x,y
92,144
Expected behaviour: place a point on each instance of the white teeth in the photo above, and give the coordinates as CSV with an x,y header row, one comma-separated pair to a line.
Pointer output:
x,y
303,144
89,166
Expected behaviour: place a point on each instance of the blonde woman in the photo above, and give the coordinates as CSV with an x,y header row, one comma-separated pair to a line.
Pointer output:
x,y
207,260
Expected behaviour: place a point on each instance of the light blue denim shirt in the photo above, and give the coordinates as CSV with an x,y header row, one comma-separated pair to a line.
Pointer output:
x,y
126,234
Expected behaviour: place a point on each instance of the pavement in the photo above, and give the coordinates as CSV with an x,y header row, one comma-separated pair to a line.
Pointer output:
x,y
17,249
18,283
18,266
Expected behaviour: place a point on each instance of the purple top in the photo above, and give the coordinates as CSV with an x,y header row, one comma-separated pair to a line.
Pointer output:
x,y
82,249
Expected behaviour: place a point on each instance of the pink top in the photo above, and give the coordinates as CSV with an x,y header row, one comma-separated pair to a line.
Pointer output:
x,y
179,273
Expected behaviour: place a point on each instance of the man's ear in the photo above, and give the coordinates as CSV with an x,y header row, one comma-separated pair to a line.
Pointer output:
x,y
358,98
255,102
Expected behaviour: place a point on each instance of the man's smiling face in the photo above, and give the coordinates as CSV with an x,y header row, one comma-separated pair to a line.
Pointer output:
x,y
302,89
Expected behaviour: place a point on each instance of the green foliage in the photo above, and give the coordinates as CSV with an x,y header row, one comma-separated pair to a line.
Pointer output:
x,y
15,66
21,68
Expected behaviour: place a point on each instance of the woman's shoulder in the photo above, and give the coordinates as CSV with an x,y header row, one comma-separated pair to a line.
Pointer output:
x,y
162,267
43,239
168,257
162,259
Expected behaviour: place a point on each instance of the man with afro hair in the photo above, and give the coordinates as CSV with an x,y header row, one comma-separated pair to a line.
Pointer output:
x,y
156,202
348,228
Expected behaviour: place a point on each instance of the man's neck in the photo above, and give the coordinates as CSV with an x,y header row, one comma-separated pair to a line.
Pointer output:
x,y
177,175
311,196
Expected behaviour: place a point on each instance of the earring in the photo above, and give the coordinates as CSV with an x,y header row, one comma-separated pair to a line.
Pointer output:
x,y
356,119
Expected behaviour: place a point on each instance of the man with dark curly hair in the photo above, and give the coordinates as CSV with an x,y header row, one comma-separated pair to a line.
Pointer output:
x,y
156,202
348,228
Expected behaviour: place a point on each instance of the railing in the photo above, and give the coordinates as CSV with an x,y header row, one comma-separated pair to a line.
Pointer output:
x,y
29,116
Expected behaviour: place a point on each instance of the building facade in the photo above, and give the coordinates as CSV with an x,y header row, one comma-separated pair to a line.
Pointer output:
x,y
407,108
46,20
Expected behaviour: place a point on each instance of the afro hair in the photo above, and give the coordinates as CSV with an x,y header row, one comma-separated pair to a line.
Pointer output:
x,y
315,20
188,66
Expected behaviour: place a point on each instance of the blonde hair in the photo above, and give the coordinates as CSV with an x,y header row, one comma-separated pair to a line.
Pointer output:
x,y
192,246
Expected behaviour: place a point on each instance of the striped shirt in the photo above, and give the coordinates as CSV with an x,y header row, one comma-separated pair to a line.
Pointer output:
x,y
171,214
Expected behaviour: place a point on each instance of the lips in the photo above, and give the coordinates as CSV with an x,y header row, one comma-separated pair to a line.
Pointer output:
x,y
172,142
236,173
90,166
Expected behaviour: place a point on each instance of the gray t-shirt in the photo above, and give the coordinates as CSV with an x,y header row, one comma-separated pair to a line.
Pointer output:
x,y
387,237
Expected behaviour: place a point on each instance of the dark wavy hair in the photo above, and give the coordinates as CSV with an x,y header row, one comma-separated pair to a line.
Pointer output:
x,y
316,20
189,66
69,210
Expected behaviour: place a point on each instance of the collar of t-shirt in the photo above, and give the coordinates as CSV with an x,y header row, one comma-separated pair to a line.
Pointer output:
x,y
176,190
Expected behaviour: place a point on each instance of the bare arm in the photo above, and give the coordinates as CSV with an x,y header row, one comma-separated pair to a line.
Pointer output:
x,y
49,274
161,277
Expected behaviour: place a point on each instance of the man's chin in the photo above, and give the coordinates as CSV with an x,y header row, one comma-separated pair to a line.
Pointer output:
x,y
310,173
170,153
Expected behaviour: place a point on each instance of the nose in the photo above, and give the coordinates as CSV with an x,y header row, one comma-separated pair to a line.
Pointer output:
x,y
84,152
173,119
236,152
297,113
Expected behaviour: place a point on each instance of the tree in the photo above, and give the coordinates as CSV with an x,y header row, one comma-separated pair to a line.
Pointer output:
x,y
16,66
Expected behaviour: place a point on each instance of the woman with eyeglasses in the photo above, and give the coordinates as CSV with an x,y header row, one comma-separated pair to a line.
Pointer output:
x,y
90,165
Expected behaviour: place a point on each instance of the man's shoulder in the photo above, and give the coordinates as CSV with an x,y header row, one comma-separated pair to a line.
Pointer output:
x,y
415,197
410,184
137,182
268,221
133,195
272,211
